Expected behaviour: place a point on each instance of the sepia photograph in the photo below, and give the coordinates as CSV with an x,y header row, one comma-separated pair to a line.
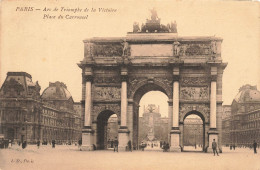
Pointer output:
x,y
129,85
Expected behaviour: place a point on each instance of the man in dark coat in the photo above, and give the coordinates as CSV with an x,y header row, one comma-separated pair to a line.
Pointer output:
x,y
24,144
214,147
129,145
53,143
38,143
80,143
255,145
116,145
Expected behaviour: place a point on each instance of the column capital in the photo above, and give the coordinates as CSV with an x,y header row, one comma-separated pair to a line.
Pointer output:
x,y
170,102
176,78
213,77
124,78
87,78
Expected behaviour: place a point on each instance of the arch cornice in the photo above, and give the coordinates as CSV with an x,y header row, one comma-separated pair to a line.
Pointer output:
x,y
97,109
135,84
201,110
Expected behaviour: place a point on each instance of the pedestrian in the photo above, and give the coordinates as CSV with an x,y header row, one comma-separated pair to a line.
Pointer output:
x,y
53,143
255,145
129,145
24,144
116,145
80,143
142,146
108,143
10,143
112,143
214,147
7,143
38,143
230,147
167,147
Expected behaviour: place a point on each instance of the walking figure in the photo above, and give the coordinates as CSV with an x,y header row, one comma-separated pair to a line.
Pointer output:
x,y
129,145
24,144
38,143
255,145
10,143
79,144
214,147
116,145
53,143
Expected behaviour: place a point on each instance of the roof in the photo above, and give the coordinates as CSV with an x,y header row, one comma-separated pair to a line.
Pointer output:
x,y
248,93
56,91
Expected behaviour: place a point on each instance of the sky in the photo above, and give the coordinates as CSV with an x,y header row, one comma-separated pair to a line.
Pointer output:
x,y
49,49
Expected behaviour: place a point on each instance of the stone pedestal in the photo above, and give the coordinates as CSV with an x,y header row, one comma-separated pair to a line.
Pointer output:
x,y
175,141
123,138
87,140
213,134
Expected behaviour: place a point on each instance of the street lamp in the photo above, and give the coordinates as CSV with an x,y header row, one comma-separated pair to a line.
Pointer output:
x,y
25,121
195,137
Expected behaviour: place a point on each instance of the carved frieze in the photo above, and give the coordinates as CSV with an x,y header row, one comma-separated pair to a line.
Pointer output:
x,y
195,49
107,93
191,93
108,50
107,80
194,81
201,108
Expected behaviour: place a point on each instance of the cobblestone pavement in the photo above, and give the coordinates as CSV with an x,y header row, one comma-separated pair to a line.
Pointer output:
x,y
69,157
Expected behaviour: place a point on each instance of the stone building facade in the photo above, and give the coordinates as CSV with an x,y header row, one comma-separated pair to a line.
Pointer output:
x,y
242,125
117,72
226,125
27,115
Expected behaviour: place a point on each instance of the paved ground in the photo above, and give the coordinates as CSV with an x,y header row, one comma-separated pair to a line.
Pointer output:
x,y
69,157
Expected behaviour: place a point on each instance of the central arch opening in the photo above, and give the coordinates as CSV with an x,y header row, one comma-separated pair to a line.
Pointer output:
x,y
194,132
107,129
150,119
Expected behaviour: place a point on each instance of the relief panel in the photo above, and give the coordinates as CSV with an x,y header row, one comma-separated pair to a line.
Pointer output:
x,y
194,93
107,80
194,81
108,50
107,93
195,49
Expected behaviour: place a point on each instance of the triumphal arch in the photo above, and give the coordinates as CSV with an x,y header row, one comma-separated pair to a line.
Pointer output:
x,y
117,72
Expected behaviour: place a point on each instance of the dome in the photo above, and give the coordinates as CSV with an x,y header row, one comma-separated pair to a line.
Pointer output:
x,y
56,91
248,93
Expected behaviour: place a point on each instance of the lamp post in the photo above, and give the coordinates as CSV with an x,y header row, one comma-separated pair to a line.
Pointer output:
x,y
108,136
195,137
25,121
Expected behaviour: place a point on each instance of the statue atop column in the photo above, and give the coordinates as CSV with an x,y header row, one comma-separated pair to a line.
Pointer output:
x,y
176,48
214,47
125,48
136,27
154,15
173,27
